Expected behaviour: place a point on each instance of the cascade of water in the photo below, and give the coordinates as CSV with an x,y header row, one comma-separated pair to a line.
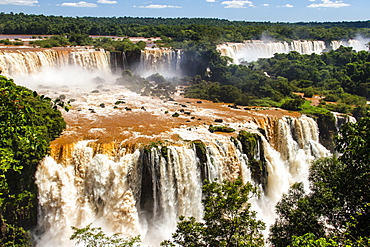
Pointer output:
x,y
356,44
163,61
144,190
297,141
85,188
254,49
341,119
24,62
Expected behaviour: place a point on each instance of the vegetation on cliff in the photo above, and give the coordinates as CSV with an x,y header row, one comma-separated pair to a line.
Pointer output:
x,y
337,207
256,161
29,122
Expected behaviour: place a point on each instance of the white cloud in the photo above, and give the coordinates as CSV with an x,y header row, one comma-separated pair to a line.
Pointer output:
x,y
107,1
237,4
286,6
211,1
329,4
79,4
265,5
19,2
158,6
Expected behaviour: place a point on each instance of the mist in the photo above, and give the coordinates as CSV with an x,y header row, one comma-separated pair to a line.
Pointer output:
x,y
67,76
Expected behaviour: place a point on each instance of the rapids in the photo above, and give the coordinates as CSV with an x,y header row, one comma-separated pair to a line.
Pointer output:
x,y
136,171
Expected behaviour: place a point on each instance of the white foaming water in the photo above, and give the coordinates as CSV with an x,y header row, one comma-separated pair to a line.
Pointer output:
x,y
24,62
108,189
358,44
88,189
55,68
253,49
163,61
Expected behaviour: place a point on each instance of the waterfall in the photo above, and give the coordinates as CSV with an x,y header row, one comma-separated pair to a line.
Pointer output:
x,y
166,62
29,61
143,189
83,188
358,44
251,50
341,119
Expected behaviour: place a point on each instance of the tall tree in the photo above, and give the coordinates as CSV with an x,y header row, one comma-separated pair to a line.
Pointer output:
x,y
228,219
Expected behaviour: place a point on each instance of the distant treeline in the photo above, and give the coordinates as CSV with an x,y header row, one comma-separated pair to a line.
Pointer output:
x,y
180,29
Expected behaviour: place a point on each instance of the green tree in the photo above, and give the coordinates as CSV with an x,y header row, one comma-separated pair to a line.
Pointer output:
x,y
228,219
293,104
353,143
28,122
95,237
308,240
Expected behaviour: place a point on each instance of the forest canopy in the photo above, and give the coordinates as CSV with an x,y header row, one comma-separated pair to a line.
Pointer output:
x,y
180,29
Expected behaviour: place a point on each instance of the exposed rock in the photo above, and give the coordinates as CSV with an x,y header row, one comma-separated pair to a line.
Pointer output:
x,y
119,102
253,148
224,129
98,80
62,97
201,151
327,128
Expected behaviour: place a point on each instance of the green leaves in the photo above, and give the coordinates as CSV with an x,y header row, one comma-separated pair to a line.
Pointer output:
x,y
95,237
309,240
227,221
27,124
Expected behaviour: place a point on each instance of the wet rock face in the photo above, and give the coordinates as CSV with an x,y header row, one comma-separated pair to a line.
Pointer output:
x,y
251,145
201,151
327,128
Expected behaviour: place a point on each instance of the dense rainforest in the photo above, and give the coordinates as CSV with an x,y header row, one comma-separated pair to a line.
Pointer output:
x,y
28,123
180,29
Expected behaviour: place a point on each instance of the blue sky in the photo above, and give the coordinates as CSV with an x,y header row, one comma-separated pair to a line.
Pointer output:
x,y
248,10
